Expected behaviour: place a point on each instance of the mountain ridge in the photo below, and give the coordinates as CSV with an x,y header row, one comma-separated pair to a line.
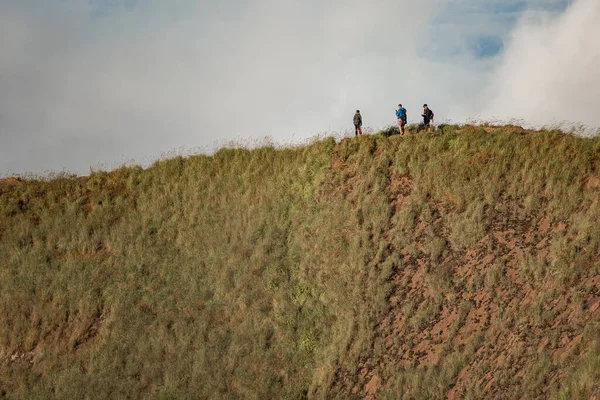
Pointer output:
x,y
462,264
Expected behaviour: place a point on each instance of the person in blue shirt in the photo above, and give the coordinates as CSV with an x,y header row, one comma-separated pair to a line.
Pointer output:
x,y
401,116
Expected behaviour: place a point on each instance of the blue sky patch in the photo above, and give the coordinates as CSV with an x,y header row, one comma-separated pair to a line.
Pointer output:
x,y
485,46
471,28
104,8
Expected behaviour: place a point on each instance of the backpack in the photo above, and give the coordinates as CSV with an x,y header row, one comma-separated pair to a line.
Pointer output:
x,y
404,117
431,114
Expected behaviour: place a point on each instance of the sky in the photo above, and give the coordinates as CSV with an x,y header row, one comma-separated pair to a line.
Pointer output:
x,y
99,83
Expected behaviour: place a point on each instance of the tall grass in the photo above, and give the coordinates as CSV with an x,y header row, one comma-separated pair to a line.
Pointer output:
x,y
277,273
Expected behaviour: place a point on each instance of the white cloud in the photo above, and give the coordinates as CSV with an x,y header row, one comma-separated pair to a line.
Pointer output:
x,y
76,91
81,85
551,70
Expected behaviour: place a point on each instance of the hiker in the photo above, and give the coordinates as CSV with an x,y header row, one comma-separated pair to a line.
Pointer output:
x,y
427,117
357,123
401,116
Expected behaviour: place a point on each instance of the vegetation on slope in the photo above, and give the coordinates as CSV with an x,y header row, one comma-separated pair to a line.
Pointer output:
x,y
460,264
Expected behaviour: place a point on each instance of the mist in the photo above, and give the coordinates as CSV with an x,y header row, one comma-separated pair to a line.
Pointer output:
x,y
550,74
95,84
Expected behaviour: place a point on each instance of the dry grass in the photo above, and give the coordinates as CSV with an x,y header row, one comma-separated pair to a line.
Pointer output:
x,y
462,263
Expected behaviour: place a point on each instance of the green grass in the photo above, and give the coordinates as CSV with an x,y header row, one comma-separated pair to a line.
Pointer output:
x,y
278,273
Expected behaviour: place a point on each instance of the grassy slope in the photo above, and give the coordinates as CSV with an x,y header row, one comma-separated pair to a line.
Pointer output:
x,y
463,265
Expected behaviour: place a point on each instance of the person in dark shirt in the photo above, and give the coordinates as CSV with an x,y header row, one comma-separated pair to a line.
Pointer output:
x,y
427,117
357,123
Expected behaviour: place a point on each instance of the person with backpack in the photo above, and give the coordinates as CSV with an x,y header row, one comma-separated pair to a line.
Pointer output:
x,y
427,117
357,123
402,118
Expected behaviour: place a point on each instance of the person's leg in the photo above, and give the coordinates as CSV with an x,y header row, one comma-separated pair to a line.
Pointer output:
x,y
360,130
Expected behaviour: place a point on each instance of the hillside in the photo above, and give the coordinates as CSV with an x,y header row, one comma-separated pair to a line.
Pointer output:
x,y
460,265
